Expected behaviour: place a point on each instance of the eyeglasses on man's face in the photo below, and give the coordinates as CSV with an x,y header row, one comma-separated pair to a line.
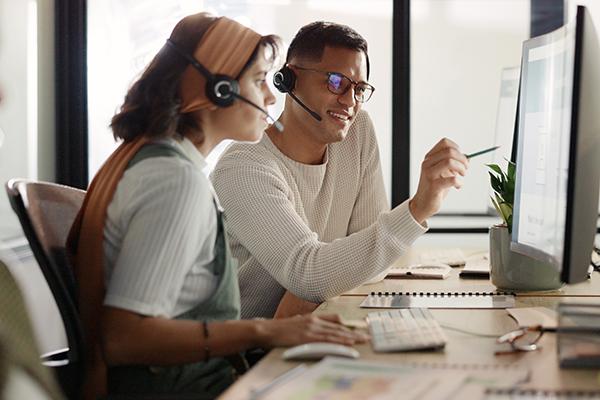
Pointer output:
x,y
339,84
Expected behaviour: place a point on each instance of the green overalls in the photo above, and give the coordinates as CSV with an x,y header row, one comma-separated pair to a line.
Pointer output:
x,y
208,378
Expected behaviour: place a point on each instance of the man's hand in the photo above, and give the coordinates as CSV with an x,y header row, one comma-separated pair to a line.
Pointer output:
x,y
440,170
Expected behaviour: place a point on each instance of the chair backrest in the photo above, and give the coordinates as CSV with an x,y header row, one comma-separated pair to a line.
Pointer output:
x,y
46,212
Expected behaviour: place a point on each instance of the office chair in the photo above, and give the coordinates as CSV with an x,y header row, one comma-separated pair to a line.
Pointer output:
x,y
46,212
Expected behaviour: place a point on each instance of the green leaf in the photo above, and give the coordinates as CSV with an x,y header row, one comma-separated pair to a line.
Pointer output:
x,y
495,168
511,170
503,210
496,183
509,192
499,201
499,198
503,184
497,207
506,211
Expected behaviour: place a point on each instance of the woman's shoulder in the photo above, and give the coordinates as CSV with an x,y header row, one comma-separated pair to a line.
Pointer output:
x,y
159,176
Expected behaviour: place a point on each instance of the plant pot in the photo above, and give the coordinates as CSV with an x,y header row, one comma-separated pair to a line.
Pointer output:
x,y
514,271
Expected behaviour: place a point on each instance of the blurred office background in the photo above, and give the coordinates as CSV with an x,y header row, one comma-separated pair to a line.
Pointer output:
x,y
436,65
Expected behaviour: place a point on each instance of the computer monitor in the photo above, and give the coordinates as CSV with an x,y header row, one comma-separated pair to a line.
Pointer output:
x,y
505,121
558,154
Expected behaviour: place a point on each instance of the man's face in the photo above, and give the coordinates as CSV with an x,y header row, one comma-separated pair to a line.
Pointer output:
x,y
336,110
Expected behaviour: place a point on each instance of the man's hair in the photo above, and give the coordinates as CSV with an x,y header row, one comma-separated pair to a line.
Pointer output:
x,y
311,39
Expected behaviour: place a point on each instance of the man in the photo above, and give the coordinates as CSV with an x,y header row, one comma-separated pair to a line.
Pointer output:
x,y
306,208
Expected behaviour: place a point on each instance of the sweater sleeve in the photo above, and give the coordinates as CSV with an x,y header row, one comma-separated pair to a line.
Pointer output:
x,y
371,199
261,217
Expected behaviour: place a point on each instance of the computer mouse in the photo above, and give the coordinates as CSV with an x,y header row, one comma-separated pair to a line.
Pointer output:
x,y
318,350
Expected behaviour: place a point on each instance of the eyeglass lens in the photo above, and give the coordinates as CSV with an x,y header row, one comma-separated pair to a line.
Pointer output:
x,y
339,84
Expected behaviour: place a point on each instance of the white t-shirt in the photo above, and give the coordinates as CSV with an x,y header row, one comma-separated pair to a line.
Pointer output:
x,y
160,234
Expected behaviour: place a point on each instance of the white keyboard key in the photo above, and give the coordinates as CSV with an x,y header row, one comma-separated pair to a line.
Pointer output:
x,y
404,330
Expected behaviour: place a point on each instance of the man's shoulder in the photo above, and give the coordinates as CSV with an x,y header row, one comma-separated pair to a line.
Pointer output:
x,y
245,159
361,138
245,154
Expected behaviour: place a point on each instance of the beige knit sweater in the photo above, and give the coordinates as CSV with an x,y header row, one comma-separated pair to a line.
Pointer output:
x,y
315,230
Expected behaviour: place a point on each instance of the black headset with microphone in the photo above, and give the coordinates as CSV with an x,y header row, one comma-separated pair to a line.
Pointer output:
x,y
221,90
285,81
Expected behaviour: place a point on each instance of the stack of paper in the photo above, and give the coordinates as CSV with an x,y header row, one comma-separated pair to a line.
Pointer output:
x,y
336,378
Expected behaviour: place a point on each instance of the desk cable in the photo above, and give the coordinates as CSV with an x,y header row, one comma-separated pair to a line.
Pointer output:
x,y
483,335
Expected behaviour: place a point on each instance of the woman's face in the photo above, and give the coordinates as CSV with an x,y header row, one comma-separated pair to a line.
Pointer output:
x,y
241,121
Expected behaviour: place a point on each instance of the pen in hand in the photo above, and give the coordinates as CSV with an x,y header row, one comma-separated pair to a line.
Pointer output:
x,y
480,152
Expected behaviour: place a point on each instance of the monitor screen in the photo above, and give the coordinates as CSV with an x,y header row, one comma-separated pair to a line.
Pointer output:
x,y
547,152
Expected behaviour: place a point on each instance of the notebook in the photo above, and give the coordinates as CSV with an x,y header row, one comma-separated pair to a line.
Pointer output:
x,y
439,300
476,269
336,378
421,271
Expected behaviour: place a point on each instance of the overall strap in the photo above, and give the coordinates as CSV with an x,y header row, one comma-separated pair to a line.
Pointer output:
x,y
156,150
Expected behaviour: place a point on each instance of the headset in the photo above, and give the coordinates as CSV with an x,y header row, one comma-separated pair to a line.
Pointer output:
x,y
285,81
221,90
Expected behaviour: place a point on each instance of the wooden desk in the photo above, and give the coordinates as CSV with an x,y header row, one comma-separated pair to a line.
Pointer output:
x,y
589,288
462,348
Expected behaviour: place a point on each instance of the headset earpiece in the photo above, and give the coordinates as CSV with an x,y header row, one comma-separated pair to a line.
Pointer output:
x,y
284,80
222,90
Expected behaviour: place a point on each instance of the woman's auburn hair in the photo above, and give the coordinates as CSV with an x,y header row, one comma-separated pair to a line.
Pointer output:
x,y
152,104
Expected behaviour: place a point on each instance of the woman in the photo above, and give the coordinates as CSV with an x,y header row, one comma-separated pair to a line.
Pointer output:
x,y
150,254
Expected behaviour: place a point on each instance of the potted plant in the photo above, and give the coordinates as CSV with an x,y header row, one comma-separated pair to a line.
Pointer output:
x,y
510,270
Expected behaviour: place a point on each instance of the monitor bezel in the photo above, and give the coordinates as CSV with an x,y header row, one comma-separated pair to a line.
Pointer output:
x,y
573,149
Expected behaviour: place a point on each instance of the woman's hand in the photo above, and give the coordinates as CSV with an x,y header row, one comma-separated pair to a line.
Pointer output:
x,y
305,329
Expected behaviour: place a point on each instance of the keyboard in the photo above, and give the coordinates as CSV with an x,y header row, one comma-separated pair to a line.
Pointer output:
x,y
405,329
454,257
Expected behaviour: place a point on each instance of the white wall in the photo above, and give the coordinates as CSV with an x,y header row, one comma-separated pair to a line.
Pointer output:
x,y
593,7
27,113
458,48
46,169
27,120
114,44
591,50
13,112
